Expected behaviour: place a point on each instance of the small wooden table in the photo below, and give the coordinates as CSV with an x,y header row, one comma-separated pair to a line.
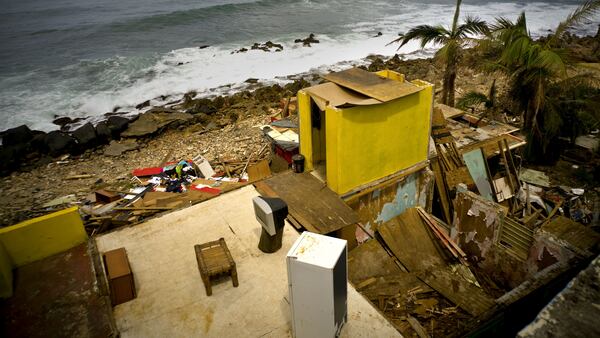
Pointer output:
x,y
214,259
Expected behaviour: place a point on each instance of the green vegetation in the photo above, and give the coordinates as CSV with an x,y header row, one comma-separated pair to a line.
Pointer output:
x,y
549,99
453,42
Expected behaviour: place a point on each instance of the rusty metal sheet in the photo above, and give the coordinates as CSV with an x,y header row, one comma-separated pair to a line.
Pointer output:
x,y
372,85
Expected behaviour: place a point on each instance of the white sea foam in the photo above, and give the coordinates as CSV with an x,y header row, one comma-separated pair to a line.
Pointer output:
x,y
215,71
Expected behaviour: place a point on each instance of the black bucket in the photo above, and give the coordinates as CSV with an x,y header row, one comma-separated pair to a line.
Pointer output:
x,y
298,163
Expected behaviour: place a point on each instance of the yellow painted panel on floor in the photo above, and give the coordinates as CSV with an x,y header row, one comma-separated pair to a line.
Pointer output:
x,y
6,275
43,236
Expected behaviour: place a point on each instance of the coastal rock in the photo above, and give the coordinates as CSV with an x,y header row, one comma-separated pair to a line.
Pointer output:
x,y
17,135
85,136
306,42
103,132
143,104
150,122
251,80
38,142
62,121
117,148
59,143
11,157
116,125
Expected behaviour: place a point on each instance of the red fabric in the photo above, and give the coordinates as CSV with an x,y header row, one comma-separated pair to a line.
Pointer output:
x,y
209,190
147,171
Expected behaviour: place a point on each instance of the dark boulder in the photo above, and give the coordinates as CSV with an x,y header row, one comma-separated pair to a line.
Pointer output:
x,y
116,125
103,133
38,142
11,157
143,104
85,136
17,135
59,143
62,121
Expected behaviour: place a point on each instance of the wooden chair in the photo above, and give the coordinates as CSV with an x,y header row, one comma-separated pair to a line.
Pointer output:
x,y
215,259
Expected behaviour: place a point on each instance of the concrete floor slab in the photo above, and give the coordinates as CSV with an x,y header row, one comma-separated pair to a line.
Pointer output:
x,y
171,299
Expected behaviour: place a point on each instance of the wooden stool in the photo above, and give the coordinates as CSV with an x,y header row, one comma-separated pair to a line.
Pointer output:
x,y
214,259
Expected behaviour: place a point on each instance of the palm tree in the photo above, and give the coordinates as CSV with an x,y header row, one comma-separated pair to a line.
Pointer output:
x,y
474,99
453,41
537,69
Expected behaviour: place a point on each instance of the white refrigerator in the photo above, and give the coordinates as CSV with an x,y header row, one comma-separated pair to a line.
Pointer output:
x,y
317,278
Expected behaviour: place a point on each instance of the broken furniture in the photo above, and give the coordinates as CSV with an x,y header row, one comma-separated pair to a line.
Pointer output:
x,y
215,259
317,278
120,277
271,214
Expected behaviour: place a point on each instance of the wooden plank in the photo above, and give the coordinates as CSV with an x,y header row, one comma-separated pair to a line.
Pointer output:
x,y
414,323
370,260
372,85
409,240
459,291
458,175
442,189
310,202
449,112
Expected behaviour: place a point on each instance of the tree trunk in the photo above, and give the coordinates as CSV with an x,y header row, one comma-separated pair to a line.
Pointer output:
x,y
451,81
448,84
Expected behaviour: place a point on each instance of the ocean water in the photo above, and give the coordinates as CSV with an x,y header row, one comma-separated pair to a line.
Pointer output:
x,y
83,58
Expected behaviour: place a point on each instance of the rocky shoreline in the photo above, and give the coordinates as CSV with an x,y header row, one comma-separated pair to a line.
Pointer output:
x,y
36,165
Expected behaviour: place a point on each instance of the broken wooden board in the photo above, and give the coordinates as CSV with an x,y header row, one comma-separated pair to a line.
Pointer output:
x,y
458,175
401,283
370,260
331,94
577,237
411,242
372,85
535,177
459,291
311,202
259,171
449,112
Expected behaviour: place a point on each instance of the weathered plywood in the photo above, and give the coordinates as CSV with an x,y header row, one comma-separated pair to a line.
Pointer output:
x,y
331,94
370,260
410,241
372,85
576,236
462,293
311,203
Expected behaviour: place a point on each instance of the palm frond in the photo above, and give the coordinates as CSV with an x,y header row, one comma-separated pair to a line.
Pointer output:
x,y
501,23
426,34
472,26
471,99
580,15
550,61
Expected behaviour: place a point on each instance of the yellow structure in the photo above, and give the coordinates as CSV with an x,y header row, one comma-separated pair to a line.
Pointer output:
x,y
6,274
36,239
362,126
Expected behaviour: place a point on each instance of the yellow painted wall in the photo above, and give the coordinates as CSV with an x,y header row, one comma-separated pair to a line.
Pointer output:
x,y
366,143
6,276
43,236
305,129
